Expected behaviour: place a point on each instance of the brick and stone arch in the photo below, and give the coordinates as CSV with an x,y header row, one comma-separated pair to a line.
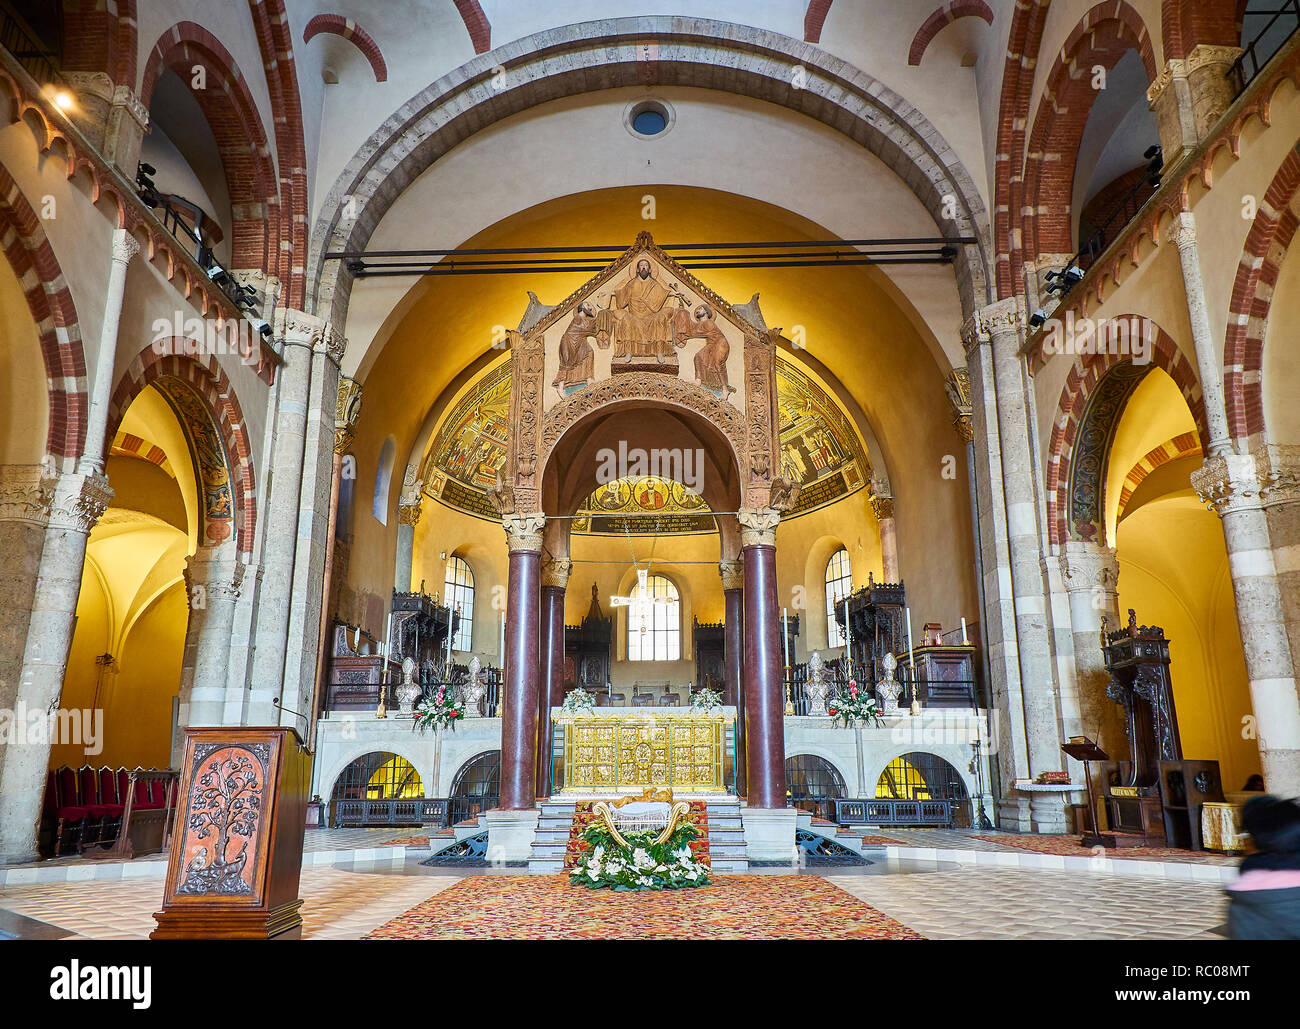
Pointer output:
x,y
170,367
575,59
476,24
337,25
1265,249
814,19
1184,24
101,37
49,300
236,125
1103,36
1183,445
1091,405
941,19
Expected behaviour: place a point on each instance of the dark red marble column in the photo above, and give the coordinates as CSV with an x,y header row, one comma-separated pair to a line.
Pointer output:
x,y
551,693
764,704
519,719
733,592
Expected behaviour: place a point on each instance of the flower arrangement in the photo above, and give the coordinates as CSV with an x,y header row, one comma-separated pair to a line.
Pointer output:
x,y
705,700
1052,779
578,701
441,711
641,865
854,707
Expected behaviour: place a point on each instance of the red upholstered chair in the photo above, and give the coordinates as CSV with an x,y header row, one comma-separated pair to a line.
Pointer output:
x,y
144,795
123,783
70,814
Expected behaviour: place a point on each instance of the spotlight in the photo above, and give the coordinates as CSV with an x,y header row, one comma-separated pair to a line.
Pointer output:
x,y
1038,319
63,100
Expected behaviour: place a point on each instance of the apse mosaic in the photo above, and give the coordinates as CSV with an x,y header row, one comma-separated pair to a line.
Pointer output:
x,y
209,456
820,448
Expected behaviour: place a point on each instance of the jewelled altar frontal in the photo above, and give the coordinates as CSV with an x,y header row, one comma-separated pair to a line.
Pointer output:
x,y
625,751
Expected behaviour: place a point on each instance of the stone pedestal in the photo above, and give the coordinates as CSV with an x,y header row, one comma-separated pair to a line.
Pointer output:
x,y
769,833
1190,96
510,834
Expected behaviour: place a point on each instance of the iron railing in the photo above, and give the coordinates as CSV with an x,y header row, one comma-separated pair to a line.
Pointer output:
x,y
957,693
894,812
1264,40
461,809
38,61
393,811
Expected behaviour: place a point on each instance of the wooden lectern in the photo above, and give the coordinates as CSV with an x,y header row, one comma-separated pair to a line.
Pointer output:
x,y
1084,750
236,846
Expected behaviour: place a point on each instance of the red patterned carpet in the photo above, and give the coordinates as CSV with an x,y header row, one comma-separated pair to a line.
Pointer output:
x,y
1069,846
407,841
583,816
732,907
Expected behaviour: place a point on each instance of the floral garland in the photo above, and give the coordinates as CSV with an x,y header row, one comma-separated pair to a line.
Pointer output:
x,y
705,700
641,865
443,711
578,701
855,707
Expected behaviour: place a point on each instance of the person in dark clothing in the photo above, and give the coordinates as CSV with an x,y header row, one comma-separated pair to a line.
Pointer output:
x,y
1255,784
1265,898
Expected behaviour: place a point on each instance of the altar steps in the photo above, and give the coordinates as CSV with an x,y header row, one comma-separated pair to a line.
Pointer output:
x,y
832,831
727,851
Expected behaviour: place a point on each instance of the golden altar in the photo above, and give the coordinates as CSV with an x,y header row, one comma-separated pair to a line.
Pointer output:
x,y
627,750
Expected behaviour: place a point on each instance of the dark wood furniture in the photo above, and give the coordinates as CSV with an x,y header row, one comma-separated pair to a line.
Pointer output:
x,y
236,848
875,623
945,676
1185,787
709,640
587,652
94,809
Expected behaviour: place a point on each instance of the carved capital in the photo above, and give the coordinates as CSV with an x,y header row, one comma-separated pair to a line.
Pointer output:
x,y
409,514
881,496
1006,317
302,329
346,413
125,97
957,386
25,494
216,571
758,526
1087,567
125,246
524,531
732,573
1269,476
79,501
556,572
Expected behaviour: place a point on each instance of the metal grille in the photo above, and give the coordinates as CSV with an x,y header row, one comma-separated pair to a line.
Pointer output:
x,y
476,788
814,784
921,776
379,775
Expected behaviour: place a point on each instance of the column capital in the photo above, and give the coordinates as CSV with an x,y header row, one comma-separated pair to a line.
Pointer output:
x,y
217,569
346,413
1089,567
1268,476
732,573
881,496
79,501
1006,317
411,498
301,329
524,531
556,572
957,386
125,245
25,494
758,526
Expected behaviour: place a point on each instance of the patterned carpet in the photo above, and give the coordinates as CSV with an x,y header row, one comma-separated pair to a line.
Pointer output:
x,y
583,816
1069,846
407,841
732,907
884,841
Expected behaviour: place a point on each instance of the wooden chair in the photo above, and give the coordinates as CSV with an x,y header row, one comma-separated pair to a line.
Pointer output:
x,y
670,700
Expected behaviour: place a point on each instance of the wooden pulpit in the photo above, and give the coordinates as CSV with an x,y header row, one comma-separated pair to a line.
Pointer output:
x,y
236,845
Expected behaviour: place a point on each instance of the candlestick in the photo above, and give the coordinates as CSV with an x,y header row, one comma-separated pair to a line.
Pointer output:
x,y
848,641
785,634
964,640
502,647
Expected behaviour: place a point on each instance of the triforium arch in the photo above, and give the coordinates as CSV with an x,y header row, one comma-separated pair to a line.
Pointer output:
x,y
1100,39
575,59
207,408
1265,249
49,299
1091,405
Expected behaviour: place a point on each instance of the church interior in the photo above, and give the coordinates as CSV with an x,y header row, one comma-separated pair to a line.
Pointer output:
x,y
866,480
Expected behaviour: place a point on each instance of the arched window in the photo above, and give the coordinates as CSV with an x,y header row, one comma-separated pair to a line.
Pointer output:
x,y
814,784
458,589
476,786
839,584
654,627
383,477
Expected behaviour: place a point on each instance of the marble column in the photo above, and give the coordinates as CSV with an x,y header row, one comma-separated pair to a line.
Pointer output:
x,y
764,702
1190,95
408,517
523,671
1090,573
213,578
124,248
25,495
733,596
1183,231
78,501
999,327
881,498
555,581
1240,488
299,334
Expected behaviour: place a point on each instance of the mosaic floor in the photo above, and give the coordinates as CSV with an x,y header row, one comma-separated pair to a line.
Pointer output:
x,y
732,907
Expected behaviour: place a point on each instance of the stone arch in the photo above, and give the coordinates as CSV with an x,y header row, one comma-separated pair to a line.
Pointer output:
x,y
950,753
1101,38
214,427
233,117
1262,255
50,301
1090,407
476,24
575,59
1183,445
337,25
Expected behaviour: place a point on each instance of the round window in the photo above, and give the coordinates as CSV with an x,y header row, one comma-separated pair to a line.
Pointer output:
x,y
649,118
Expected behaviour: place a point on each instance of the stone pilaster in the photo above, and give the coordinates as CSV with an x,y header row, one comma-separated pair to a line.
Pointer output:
x,y
1090,573
124,247
213,578
299,335
1189,96
881,498
1183,232
1241,488
993,340
408,517
77,502
25,497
